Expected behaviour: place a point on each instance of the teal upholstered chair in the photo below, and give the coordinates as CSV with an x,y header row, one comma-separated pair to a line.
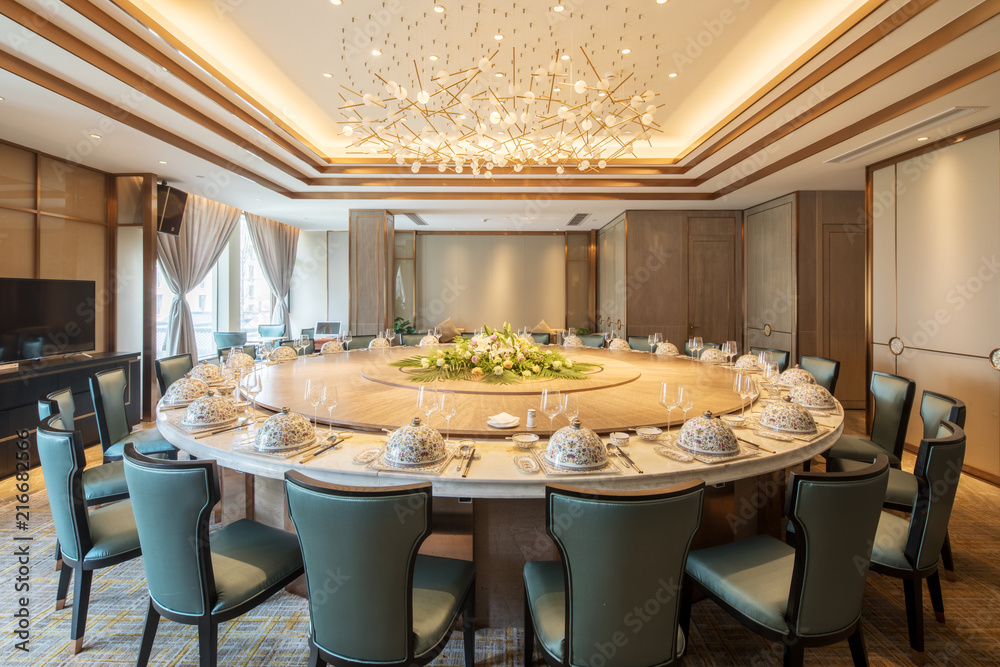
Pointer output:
x,y
810,594
171,369
227,339
701,350
774,356
893,396
909,549
395,607
224,352
309,333
644,541
271,330
88,539
107,389
541,338
592,340
359,342
826,371
411,339
103,483
196,577
639,343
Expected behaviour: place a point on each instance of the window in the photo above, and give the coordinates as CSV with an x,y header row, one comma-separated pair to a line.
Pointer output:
x,y
255,296
202,302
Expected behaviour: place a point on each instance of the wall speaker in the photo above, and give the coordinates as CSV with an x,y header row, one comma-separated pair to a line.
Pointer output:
x,y
170,204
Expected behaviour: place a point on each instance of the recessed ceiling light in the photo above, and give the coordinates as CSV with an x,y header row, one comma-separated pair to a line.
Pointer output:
x,y
439,9
558,8
625,52
498,36
557,90
673,75
661,2
922,138
95,136
1,99
432,57
337,2
163,161
328,75
256,199
602,94
376,52
499,75
564,56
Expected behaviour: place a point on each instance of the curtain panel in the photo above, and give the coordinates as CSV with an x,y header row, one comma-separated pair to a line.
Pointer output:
x,y
187,258
275,244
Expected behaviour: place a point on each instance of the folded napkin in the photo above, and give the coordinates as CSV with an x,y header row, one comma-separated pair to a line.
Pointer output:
x,y
502,418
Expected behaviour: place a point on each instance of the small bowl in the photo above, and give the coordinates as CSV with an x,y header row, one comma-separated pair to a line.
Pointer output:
x,y
648,432
525,440
619,439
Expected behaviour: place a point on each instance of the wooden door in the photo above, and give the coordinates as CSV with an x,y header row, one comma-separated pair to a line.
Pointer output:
x,y
711,304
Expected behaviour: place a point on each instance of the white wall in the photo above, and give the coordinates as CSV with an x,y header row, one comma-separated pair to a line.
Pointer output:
x,y
128,330
489,279
338,278
307,297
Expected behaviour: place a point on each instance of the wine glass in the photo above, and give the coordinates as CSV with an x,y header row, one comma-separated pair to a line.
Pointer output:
x,y
252,388
571,406
448,410
770,374
427,400
347,339
743,385
608,335
330,401
734,349
551,406
670,399
437,332
697,343
687,400
313,396
652,343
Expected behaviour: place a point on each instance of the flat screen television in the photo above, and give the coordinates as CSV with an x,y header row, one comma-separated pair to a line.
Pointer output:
x,y
45,318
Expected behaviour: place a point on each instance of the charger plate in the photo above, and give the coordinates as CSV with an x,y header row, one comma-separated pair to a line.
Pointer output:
x,y
435,468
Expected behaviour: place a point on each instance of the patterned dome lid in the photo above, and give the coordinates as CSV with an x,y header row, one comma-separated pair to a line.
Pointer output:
x,y
283,353
748,362
285,430
708,435
378,341
572,340
240,361
206,372
210,410
788,417
812,396
576,446
185,390
793,377
667,348
711,355
619,344
331,347
415,444
428,341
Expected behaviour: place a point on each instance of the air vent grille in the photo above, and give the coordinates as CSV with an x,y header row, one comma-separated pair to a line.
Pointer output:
x,y
417,220
577,219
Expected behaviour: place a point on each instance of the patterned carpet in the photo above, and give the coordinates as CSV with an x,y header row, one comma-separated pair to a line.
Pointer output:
x,y
275,633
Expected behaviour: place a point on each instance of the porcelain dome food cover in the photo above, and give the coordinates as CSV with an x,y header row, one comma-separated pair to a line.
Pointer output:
x,y
619,344
575,446
793,377
667,348
788,417
206,372
812,396
708,435
415,444
712,356
283,353
239,360
210,410
572,340
428,341
378,342
331,347
748,362
285,430
185,390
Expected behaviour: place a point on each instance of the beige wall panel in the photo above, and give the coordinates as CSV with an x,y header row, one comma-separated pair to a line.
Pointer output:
x,y
128,332
883,360
74,250
544,267
506,284
769,264
17,244
884,254
948,248
338,278
308,297
968,379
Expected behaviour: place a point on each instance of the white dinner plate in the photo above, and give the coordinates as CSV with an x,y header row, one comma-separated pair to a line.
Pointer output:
x,y
512,424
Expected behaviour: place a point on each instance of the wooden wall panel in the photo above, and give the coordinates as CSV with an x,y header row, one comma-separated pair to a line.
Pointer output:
x,y
770,289
371,246
844,336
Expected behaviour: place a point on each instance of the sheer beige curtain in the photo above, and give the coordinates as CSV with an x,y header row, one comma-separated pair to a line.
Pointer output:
x,y
187,258
275,244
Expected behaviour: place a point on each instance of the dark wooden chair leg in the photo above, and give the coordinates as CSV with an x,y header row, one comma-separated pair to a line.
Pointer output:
x,y
58,556
859,652
148,635
314,658
208,643
934,590
529,634
469,627
794,654
65,574
946,558
913,592
81,601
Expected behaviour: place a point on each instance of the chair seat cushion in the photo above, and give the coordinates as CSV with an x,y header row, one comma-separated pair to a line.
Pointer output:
x,y
112,529
857,448
148,442
890,541
753,576
545,588
439,588
104,481
902,489
248,559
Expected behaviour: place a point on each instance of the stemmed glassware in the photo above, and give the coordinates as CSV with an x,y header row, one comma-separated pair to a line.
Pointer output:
x,y
448,410
551,406
313,396
729,349
670,399
347,339
428,402
652,343
686,400
697,343
744,386
608,335
571,406
437,332
252,387
769,371
330,402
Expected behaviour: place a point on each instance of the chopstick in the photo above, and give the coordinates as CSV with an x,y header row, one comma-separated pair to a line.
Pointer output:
x,y
625,456
755,445
205,434
472,457
322,450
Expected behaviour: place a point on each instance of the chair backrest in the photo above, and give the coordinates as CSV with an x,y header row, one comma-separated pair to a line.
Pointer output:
x,y
701,350
773,356
310,333
327,328
366,616
176,550
107,389
893,396
271,330
835,516
360,342
541,338
227,339
249,350
592,340
411,339
59,402
171,369
938,470
639,343
607,577
826,371
935,408
61,454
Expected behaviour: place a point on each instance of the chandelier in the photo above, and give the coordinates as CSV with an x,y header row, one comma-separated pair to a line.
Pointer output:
x,y
465,122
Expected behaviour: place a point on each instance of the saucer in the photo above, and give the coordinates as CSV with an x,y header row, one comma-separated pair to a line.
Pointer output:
x,y
510,424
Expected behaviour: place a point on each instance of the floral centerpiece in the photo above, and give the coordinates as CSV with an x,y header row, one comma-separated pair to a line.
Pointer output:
x,y
497,356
